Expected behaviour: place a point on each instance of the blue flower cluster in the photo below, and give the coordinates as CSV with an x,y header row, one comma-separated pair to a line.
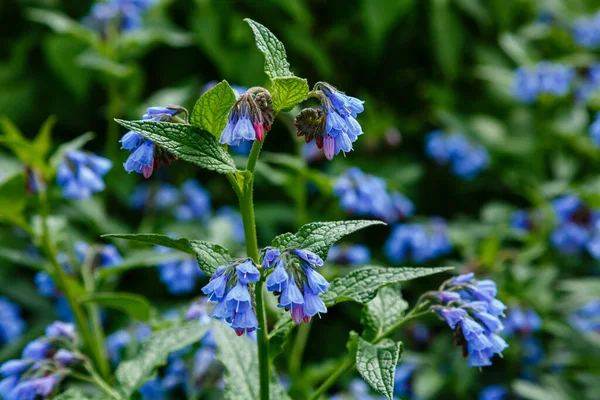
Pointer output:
x,y
466,159
41,366
587,318
104,256
11,323
545,78
586,31
146,156
525,322
594,130
249,118
191,203
578,227
403,378
179,275
125,15
297,283
229,288
418,242
470,307
80,174
367,195
356,254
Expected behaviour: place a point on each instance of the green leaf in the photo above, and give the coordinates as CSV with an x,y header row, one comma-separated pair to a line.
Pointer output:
x,y
383,312
13,198
187,142
18,257
143,259
212,108
276,64
288,92
74,394
361,285
20,146
318,237
74,144
278,336
61,23
239,356
210,256
376,363
43,140
131,374
447,37
380,16
132,304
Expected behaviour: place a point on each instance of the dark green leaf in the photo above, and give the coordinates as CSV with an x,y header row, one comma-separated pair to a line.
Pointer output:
x,y
361,285
182,244
380,16
383,312
288,92
187,142
276,64
376,363
132,304
131,374
212,108
447,37
18,257
142,259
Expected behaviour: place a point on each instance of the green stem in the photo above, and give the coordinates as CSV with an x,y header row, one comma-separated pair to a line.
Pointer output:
x,y
341,370
245,197
101,383
63,284
298,349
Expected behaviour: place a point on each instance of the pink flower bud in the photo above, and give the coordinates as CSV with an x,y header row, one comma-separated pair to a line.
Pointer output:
x,y
329,147
297,314
259,130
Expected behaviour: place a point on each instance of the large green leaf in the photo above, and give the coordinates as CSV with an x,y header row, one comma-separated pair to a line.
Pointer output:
x,y
131,374
212,108
276,64
318,237
383,312
239,356
210,256
288,92
132,304
361,285
185,141
376,363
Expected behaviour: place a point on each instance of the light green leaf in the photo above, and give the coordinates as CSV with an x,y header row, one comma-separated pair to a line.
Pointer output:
x,y
20,146
318,237
96,61
131,374
276,64
288,92
43,140
187,142
210,256
212,108
61,23
239,356
383,312
74,144
74,394
361,285
376,363
12,198
132,304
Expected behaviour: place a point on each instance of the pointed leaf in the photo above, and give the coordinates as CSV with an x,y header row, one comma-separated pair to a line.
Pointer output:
x,y
361,285
131,374
43,140
276,64
185,141
288,92
132,304
212,108
383,312
377,364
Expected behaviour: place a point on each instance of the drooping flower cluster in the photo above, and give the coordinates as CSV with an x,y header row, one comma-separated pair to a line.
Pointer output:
x,y
418,242
11,323
545,78
578,227
98,256
367,195
190,203
42,366
295,280
229,288
123,15
466,159
179,275
80,174
334,127
470,307
147,156
249,118
355,254
586,31
587,318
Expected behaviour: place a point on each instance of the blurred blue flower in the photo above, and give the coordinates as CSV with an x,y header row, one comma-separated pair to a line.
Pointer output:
x,y
242,149
125,15
493,392
80,174
520,221
418,242
522,321
595,130
367,195
115,344
402,377
586,31
153,390
577,227
466,159
234,219
532,351
587,318
545,78
157,198
11,323
195,202
356,254
180,275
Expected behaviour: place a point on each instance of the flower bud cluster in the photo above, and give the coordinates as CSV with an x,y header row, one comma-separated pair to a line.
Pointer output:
x,y
249,117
